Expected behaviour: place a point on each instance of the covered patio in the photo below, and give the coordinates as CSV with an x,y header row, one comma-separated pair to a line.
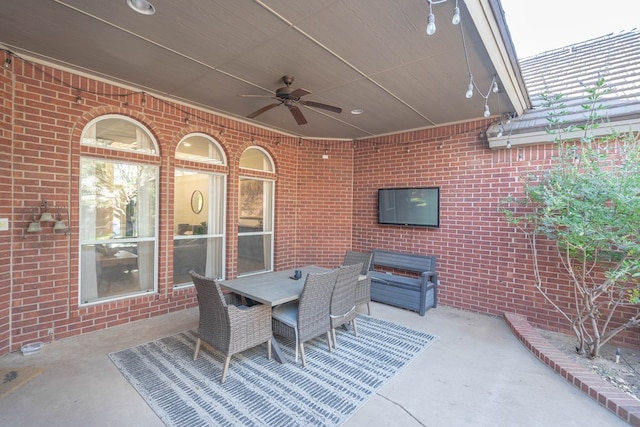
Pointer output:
x,y
419,129
476,373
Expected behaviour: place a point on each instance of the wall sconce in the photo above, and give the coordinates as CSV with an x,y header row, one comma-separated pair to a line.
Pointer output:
x,y
60,226
46,217
34,225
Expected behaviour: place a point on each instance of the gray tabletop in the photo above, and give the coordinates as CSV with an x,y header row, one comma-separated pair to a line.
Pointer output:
x,y
272,288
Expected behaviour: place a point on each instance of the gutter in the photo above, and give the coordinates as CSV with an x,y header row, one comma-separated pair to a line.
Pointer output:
x,y
488,17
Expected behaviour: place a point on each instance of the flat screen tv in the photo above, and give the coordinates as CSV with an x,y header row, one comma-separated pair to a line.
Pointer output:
x,y
419,207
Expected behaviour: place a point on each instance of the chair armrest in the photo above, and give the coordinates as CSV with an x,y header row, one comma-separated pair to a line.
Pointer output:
x,y
432,276
250,320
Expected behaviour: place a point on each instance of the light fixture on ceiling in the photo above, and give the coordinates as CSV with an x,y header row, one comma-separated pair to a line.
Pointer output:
x,y
471,88
456,15
469,93
431,18
142,6
357,111
487,113
431,21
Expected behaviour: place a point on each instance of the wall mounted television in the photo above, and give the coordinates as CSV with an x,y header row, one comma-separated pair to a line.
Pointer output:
x,y
419,207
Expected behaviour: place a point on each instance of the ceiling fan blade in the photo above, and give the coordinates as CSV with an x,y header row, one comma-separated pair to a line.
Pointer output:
x,y
297,114
256,96
298,93
262,110
321,106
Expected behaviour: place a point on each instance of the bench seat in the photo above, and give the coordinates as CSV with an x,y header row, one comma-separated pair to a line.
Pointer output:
x,y
417,293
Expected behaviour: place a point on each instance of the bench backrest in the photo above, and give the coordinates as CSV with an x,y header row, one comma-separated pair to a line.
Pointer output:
x,y
403,261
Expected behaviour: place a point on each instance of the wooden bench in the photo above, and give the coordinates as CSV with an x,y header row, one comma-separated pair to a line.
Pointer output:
x,y
404,280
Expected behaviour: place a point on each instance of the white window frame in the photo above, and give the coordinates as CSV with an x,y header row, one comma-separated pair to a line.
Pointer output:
x,y
267,204
91,298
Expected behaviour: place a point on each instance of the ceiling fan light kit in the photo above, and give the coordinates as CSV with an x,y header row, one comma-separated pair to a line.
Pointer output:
x,y
291,98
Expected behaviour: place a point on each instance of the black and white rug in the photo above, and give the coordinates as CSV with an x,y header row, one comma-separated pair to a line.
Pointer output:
x,y
262,392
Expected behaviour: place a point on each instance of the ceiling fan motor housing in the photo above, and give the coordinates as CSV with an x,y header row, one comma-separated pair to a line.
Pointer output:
x,y
289,97
284,92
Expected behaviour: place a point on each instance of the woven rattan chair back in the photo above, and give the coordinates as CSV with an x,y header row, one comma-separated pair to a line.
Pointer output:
x,y
343,299
311,312
213,326
364,258
224,325
314,306
363,289
344,292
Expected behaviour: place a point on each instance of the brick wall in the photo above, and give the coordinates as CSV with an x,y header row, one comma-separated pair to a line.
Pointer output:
x,y
484,264
40,135
6,107
323,206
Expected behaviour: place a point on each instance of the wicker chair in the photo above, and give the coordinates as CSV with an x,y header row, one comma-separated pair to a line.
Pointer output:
x,y
343,299
308,317
363,290
225,325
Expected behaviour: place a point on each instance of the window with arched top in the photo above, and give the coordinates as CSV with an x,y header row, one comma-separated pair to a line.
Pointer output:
x,y
256,158
199,205
255,213
118,212
118,132
199,147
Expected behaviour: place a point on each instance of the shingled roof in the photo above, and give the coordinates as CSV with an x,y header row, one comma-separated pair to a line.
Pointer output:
x,y
570,71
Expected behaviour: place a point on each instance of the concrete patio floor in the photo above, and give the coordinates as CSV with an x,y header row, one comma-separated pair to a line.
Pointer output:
x,y
477,373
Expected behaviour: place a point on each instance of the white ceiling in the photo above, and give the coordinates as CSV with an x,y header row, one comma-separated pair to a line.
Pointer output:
x,y
372,55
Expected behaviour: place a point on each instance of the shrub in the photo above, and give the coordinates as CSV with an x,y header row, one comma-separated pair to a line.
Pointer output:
x,y
588,203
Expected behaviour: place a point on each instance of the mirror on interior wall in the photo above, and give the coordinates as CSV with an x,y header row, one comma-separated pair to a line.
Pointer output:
x,y
197,201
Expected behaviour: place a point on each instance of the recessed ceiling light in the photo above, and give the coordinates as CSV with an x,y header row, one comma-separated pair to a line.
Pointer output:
x,y
357,111
142,6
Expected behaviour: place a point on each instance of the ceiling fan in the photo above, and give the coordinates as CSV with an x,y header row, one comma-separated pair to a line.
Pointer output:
x,y
290,97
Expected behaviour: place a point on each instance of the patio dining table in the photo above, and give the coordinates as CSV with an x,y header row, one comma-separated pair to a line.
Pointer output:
x,y
272,289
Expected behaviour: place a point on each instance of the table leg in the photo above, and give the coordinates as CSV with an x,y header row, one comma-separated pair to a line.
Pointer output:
x,y
276,351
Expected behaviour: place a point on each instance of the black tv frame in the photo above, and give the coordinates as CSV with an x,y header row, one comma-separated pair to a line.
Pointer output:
x,y
382,220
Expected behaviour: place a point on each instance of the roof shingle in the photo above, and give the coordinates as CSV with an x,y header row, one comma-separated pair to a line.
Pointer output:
x,y
570,71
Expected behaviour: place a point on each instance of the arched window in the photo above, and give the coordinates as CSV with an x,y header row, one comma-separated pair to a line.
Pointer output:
x,y
257,159
255,213
199,211
119,133
118,205
199,147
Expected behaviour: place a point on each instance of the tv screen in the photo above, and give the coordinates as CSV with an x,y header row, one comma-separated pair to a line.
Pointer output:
x,y
409,206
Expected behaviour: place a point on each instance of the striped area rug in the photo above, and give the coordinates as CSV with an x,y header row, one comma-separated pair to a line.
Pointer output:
x,y
262,392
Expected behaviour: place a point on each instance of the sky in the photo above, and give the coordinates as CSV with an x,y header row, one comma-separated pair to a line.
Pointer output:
x,y
542,25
